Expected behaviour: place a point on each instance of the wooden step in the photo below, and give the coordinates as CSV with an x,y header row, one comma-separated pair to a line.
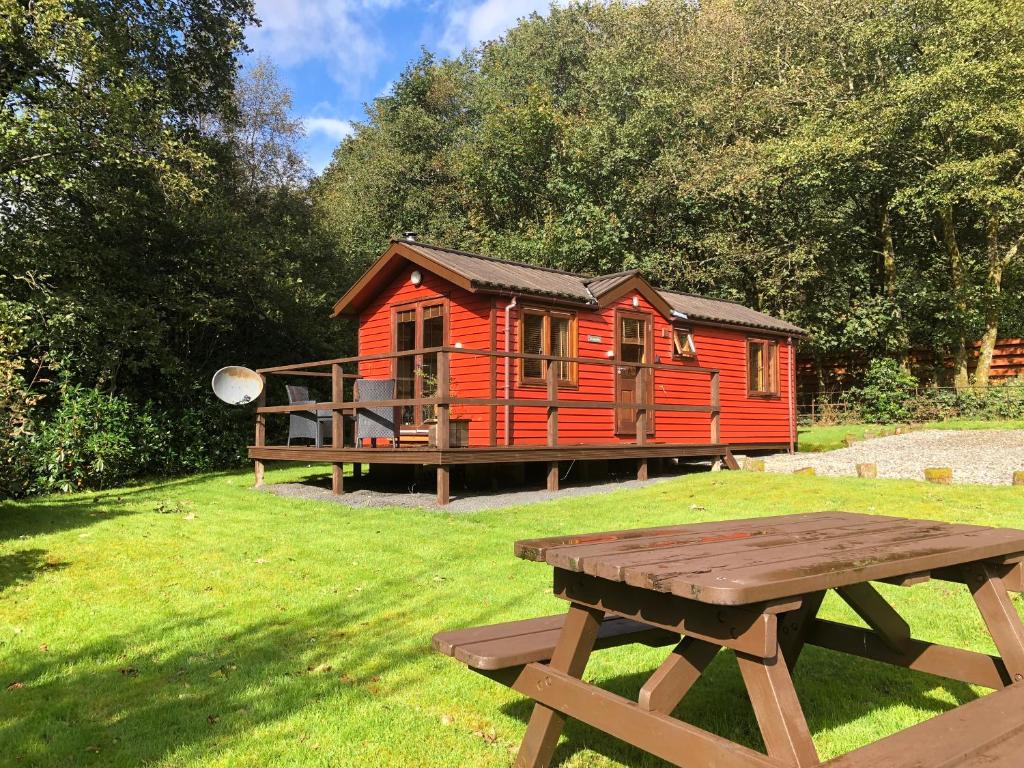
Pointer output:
x,y
985,732
515,643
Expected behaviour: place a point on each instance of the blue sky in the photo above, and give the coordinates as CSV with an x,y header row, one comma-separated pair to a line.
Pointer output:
x,y
336,55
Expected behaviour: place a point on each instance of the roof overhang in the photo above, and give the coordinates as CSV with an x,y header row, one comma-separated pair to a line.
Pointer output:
x,y
386,269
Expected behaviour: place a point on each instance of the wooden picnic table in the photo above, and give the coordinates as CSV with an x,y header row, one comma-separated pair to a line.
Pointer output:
x,y
754,587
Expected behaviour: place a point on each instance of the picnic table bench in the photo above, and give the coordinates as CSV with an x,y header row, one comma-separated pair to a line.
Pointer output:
x,y
755,587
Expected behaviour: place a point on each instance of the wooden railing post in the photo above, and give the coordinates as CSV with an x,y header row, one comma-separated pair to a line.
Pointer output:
x,y
552,379
716,408
641,418
261,431
443,428
337,428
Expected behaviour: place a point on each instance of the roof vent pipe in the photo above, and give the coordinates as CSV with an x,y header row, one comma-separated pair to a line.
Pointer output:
x,y
409,236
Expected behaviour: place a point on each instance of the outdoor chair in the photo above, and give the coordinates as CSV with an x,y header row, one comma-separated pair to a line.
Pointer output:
x,y
307,425
373,423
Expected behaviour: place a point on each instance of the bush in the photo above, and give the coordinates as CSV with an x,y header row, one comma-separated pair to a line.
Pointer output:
x,y
96,440
886,394
16,400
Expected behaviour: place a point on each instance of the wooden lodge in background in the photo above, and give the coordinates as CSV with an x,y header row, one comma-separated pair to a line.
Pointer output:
x,y
830,377
495,362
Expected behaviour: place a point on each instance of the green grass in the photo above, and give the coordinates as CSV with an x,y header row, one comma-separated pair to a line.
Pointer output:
x,y
195,622
828,438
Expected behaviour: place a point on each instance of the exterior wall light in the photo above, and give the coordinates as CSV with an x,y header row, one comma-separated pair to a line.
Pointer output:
x,y
416,277
636,301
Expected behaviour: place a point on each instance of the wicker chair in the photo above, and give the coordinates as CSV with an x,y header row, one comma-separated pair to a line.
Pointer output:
x,y
307,425
373,423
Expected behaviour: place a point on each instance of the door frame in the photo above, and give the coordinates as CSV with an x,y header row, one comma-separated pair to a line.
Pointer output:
x,y
417,305
647,317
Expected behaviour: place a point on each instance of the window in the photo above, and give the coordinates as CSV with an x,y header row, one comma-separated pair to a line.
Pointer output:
x,y
683,347
762,368
543,332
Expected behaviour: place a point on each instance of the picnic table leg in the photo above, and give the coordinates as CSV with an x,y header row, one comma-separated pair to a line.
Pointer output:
x,y
794,626
1000,615
670,682
575,644
778,711
890,627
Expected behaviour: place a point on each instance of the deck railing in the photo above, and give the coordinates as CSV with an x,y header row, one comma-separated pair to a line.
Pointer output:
x,y
442,399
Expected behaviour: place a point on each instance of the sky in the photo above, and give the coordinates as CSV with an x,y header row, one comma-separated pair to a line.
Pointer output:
x,y
337,55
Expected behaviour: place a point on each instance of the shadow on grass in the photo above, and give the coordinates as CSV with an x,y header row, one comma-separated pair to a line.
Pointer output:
x,y
54,513
21,567
718,702
198,687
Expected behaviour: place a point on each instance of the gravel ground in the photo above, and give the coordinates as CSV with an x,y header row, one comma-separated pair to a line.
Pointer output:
x,y
471,501
988,457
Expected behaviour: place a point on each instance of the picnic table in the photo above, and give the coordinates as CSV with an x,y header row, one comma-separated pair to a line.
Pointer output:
x,y
754,587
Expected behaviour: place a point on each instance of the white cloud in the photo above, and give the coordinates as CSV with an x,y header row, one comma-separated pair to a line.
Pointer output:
x,y
331,127
335,32
469,25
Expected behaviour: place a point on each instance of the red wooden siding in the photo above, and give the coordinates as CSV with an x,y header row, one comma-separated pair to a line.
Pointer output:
x,y
744,420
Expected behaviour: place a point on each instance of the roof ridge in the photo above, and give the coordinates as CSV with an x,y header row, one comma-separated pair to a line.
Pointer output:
x,y
595,278
711,298
494,259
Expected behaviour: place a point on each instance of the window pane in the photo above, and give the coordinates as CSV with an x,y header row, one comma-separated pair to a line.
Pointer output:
x,y
532,343
755,366
632,329
561,345
682,342
433,327
772,369
405,331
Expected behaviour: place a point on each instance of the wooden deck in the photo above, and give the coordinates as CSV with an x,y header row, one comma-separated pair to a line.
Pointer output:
x,y
640,411
443,457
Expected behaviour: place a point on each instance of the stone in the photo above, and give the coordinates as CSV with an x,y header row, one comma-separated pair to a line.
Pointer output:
x,y
867,470
939,475
804,471
753,465
1018,477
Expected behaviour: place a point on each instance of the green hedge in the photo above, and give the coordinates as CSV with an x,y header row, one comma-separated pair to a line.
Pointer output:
x,y
95,440
891,395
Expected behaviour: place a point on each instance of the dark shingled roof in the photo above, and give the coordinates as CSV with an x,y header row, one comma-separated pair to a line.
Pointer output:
x,y
488,273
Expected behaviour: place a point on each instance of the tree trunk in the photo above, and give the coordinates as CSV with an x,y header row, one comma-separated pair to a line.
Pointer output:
x,y
997,263
902,343
958,273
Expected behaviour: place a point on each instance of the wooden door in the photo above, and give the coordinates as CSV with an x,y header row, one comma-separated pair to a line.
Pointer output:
x,y
632,345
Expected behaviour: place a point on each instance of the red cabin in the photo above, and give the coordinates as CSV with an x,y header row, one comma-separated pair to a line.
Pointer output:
x,y
496,361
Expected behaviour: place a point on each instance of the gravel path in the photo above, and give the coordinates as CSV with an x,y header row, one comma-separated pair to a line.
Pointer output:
x,y
988,457
472,501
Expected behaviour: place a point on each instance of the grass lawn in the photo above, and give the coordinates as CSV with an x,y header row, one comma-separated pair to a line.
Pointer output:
x,y
196,622
828,438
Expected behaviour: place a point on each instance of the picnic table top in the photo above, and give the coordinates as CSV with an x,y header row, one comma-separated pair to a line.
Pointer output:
x,y
738,562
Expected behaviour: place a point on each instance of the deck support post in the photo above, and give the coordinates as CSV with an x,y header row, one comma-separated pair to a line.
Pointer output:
x,y
552,381
641,419
337,428
716,408
260,439
443,428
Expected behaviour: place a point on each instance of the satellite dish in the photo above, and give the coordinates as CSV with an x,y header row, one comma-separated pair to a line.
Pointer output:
x,y
236,385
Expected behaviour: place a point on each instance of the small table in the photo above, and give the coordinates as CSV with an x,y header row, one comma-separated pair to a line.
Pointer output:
x,y
754,587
